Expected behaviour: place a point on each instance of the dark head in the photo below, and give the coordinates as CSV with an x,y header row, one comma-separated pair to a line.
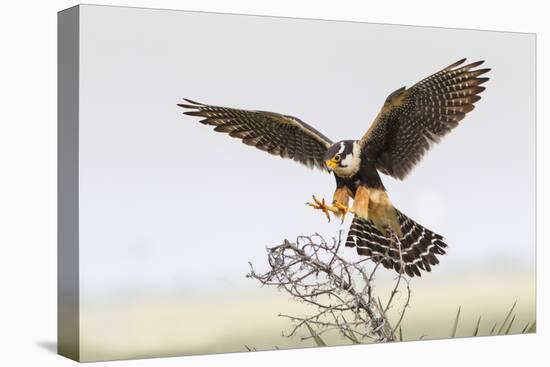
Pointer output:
x,y
344,158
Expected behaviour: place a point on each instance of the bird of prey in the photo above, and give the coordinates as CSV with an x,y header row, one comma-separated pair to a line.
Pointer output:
x,y
409,122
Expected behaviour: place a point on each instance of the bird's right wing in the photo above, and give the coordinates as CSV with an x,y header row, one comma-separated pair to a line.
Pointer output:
x,y
285,136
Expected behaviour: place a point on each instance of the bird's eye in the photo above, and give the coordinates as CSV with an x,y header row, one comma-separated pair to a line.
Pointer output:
x,y
337,158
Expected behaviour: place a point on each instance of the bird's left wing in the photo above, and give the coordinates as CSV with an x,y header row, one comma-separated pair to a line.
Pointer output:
x,y
282,135
411,120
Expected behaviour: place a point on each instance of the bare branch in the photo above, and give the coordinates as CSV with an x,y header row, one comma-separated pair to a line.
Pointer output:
x,y
340,291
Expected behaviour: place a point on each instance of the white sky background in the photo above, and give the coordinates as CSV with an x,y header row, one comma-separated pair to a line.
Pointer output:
x,y
168,205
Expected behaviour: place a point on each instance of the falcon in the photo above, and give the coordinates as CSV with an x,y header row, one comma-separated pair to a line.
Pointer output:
x,y
410,121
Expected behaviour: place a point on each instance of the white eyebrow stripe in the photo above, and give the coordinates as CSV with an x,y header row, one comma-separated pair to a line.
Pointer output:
x,y
342,147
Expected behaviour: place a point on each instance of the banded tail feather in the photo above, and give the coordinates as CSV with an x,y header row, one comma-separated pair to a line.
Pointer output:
x,y
416,250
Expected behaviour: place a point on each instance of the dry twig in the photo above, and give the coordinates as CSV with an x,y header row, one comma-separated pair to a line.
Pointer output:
x,y
341,292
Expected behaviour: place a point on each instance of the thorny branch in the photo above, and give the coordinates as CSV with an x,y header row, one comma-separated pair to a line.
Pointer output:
x,y
312,271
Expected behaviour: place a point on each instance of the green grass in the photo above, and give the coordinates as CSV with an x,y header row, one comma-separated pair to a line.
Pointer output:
x,y
504,328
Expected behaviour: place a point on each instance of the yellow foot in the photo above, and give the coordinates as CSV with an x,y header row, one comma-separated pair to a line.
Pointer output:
x,y
336,208
321,205
342,210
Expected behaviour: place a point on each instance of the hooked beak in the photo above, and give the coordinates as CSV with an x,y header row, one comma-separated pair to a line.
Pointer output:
x,y
331,164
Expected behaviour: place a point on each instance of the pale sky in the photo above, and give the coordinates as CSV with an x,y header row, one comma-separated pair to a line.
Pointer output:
x,y
168,205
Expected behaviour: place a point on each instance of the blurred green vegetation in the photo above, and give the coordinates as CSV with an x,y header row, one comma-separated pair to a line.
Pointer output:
x,y
505,327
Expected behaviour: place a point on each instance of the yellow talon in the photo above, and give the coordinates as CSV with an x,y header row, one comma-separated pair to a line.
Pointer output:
x,y
336,208
321,205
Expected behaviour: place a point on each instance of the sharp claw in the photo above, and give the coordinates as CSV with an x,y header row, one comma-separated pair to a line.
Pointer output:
x,y
321,205
337,208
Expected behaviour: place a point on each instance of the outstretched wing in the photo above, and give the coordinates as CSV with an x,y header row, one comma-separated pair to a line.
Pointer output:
x,y
285,136
411,120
